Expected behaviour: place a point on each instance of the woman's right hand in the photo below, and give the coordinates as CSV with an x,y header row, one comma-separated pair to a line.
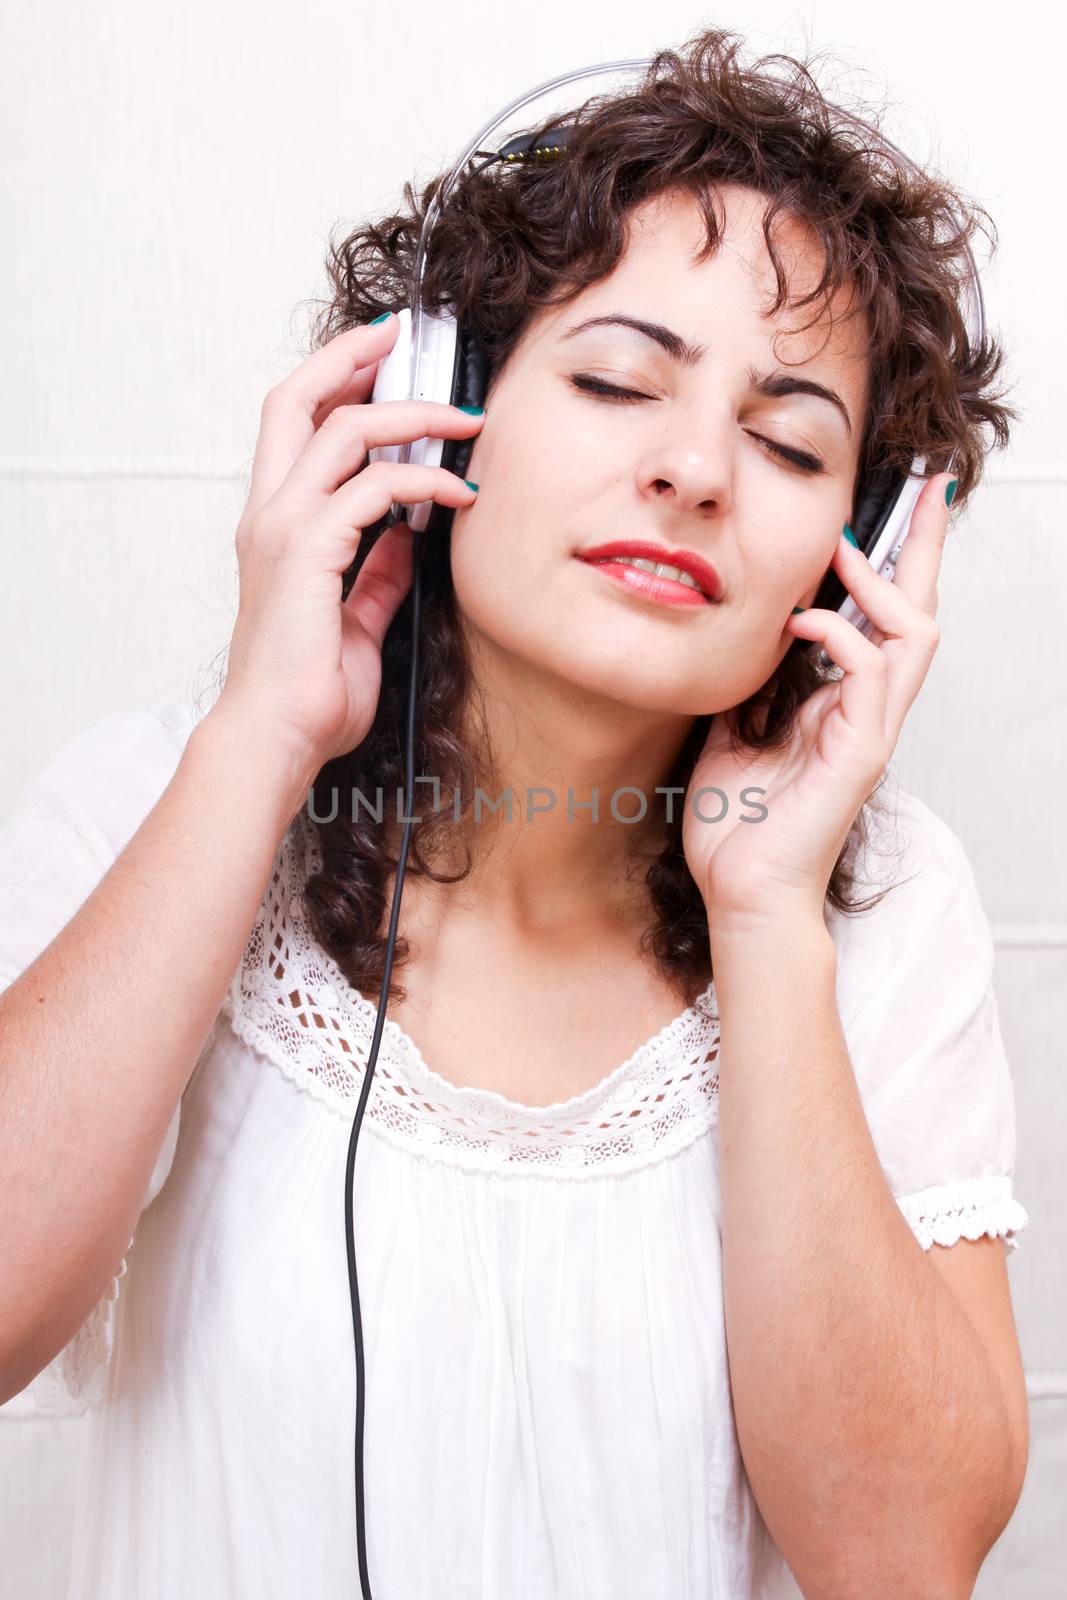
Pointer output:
x,y
305,669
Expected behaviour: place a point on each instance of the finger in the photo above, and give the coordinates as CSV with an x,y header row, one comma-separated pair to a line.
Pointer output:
x,y
906,633
382,583
915,572
339,448
882,602
357,391
918,565
370,494
864,685
287,420
907,661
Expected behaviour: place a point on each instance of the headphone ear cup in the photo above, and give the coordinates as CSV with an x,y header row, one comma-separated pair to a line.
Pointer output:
x,y
874,501
470,381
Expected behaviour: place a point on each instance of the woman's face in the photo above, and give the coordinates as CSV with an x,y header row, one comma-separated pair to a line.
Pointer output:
x,y
686,468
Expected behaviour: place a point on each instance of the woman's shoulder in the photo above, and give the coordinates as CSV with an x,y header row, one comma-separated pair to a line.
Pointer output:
x,y
159,728
918,908
105,778
906,845
75,816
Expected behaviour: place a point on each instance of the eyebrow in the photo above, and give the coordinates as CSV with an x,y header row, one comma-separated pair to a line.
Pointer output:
x,y
774,385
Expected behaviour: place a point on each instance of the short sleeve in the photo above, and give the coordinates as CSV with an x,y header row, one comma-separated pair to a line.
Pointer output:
x,y
69,825
920,1018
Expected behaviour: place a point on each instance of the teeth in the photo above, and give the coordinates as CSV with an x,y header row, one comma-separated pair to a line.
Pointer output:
x,y
660,568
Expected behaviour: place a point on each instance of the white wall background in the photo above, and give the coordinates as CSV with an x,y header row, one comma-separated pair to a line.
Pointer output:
x,y
172,174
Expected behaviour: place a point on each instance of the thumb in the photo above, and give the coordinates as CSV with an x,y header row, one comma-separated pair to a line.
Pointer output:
x,y
383,581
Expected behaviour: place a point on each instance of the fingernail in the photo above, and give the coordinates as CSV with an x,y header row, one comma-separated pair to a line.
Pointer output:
x,y
950,490
798,608
471,485
473,411
380,319
850,536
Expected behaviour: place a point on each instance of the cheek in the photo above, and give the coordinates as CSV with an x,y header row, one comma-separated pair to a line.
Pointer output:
x,y
534,468
488,570
522,589
782,568
515,540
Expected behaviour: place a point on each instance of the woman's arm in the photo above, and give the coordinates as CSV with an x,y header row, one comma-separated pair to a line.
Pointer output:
x,y
98,1037
877,1434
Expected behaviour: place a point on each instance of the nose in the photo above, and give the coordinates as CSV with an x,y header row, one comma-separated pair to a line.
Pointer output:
x,y
687,467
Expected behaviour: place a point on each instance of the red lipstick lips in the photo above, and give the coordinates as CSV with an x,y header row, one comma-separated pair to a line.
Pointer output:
x,y
701,571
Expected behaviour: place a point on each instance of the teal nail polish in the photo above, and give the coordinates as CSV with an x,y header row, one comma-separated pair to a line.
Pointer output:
x,y
798,608
950,490
850,536
380,319
471,485
473,411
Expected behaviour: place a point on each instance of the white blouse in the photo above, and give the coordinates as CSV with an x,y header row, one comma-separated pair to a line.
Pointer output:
x,y
548,1411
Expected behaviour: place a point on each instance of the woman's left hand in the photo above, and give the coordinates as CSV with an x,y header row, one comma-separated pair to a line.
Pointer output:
x,y
813,788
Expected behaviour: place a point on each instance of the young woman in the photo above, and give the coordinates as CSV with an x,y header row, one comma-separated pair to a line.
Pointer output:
x,y
685,1179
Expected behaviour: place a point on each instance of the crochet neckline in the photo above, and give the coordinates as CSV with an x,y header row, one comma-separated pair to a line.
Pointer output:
x,y
366,1010
291,1002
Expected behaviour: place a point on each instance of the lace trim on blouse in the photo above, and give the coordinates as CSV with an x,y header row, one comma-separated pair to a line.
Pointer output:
x,y
290,1001
969,1209
76,1378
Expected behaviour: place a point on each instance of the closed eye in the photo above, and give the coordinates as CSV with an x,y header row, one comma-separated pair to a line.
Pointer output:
x,y
585,382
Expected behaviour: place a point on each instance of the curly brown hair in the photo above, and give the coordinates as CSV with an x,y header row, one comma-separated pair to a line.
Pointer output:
x,y
512,239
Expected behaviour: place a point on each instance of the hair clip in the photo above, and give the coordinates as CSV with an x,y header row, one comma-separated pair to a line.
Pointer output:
x,y
520,149
539,152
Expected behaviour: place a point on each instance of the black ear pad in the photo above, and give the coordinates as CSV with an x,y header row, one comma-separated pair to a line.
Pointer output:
x,y
874,502
470,380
